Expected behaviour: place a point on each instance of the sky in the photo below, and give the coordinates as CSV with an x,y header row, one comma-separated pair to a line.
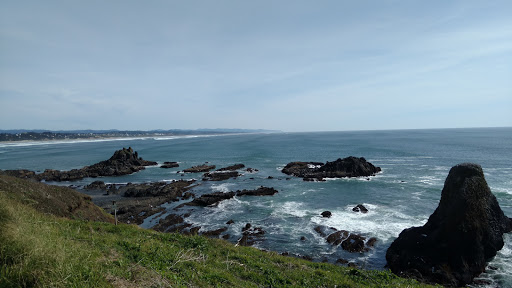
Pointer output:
x,y
285,65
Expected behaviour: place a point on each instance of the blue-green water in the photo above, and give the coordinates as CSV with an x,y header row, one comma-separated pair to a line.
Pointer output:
x,y
414,166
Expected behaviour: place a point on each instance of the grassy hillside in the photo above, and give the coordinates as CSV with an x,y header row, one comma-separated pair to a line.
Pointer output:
x,y
40,249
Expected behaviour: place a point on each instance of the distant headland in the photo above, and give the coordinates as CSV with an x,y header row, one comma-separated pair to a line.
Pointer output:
x,y
45,135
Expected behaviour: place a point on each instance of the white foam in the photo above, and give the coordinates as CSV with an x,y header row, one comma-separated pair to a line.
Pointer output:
x,y
291,208
224,187
384,223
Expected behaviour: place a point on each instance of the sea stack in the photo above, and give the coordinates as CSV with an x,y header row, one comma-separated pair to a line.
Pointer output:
x,y
464,232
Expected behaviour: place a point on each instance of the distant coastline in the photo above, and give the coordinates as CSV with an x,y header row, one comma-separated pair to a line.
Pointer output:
x,y
39,135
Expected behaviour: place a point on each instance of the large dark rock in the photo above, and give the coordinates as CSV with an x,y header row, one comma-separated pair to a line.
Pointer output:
x,y
124,161
216,197
171,190
346,167
199,169
232,167
220,175
171,164
326,214
210,199
360,208
464,232
261,191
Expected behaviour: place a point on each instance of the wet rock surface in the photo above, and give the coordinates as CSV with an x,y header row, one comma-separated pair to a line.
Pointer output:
x,y
348,241
232,167
168,165
250,235
171,190
199,169
326,214
360,208
341,168
216,197
463,233
220,175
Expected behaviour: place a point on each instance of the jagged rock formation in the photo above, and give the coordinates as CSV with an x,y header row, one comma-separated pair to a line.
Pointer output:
x,y
124,161
216,197
350,242
220,175
464,232
199,169
172,190
346,167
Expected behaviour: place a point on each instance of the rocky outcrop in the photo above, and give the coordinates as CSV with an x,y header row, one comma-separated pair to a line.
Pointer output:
x,y
350,242
326,214
123,162
216,197
464,232
171,190
360,208
341,168
220,175
232,167
211,199
168,165
261,191
199,169
250,235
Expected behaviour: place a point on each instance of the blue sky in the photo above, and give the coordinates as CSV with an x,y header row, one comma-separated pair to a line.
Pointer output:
x,y
287,65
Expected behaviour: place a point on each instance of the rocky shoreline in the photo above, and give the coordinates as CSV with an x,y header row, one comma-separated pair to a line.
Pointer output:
x,y
139,201
426,253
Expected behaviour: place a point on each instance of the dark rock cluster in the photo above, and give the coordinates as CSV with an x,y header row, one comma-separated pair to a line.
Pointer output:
x,y
214,198
250,235
350,242
346,167
463,233
199,168
171,190
220,175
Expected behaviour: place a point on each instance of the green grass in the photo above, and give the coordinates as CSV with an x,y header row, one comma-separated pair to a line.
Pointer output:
x,y
41,250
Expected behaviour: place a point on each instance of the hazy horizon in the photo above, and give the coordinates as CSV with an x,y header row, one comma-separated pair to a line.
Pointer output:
x,y
294,66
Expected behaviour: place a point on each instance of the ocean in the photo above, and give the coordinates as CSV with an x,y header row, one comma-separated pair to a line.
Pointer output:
x,y
414,166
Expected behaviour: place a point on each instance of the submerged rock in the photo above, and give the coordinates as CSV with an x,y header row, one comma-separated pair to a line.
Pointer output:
x,y
463,233
360,208
326,214
341,168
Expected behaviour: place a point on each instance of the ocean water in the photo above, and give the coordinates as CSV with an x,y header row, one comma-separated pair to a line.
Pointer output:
x,y
414,166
